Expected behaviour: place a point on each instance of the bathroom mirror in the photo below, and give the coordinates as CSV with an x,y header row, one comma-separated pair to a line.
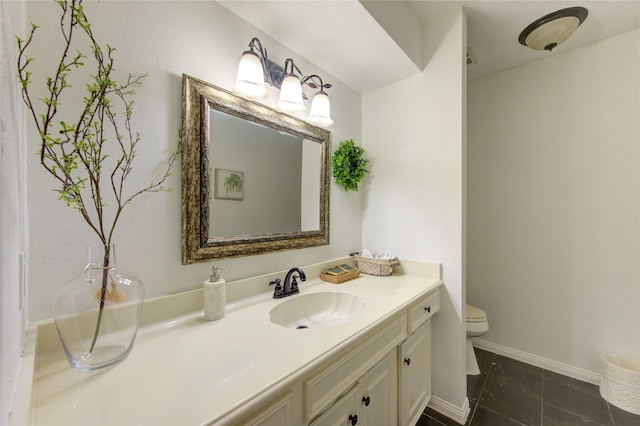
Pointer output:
x,y
254,180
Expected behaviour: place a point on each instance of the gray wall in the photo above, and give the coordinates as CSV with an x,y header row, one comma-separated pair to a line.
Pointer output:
x,y
553,212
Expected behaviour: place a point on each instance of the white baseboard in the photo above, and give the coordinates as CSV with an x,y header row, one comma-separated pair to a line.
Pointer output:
x,y
459,414
538,361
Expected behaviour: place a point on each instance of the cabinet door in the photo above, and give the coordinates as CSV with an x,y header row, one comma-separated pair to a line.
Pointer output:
x,y
336,377
343,413
415,386
378,393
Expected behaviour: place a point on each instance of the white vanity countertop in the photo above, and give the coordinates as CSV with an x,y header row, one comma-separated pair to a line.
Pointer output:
x,y
189,371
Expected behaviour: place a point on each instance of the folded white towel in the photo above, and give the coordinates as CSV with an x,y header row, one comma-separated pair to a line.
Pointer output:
x,y
373,255
367,253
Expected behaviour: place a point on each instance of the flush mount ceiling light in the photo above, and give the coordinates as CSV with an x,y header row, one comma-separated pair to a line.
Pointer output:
x,y
551,30
256,70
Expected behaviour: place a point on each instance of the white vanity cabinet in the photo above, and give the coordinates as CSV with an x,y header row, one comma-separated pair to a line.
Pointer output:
x,y
279,412
371,402
360,369
415,375
395,390
378,390
383,378
344,412
415,361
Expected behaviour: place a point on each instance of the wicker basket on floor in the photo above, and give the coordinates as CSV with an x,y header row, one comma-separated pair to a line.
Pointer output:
x,y
620,382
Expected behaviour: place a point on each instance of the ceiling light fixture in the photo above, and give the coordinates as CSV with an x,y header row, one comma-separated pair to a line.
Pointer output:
x,y
256,69
551,30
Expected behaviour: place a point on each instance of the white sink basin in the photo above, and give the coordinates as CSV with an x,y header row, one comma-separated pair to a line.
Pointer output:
x,y
317,310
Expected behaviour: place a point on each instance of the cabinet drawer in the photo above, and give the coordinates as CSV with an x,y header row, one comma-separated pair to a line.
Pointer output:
x,y
323,387
423,309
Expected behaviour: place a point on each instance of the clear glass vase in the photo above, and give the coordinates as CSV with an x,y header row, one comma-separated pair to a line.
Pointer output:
x,y
97,315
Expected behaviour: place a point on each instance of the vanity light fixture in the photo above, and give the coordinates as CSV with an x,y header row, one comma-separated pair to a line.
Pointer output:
x,y
290,90
551,30
320,113
256,70
251,75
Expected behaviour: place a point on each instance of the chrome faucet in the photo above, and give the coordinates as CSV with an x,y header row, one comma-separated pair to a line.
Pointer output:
x,y
290,285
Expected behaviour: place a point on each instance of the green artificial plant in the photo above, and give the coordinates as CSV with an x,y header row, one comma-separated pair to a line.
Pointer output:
x,y
90,150
348,165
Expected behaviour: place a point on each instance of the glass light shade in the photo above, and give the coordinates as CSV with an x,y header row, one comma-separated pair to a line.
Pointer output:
x,y
290,95
320,113
552,33
250,78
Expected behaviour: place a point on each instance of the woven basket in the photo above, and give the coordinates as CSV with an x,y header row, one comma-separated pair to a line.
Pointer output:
x,y
620,382
337,279
379,267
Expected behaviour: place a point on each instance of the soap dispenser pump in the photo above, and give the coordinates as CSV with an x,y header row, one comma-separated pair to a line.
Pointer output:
x,y
214,295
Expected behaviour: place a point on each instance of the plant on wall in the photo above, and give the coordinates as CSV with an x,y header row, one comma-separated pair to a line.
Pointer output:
x,y
88,146
348,166
233,183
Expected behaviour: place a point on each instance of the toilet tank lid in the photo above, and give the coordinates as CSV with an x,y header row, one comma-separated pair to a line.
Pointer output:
x,y
475,313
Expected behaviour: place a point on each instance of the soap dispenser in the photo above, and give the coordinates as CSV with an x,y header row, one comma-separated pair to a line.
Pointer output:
x,y
214,295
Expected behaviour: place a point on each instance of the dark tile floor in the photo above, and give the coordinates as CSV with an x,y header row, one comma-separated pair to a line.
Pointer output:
x,y
510,392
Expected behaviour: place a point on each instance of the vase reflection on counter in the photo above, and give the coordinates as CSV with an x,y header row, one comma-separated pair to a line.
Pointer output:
x,y
97,315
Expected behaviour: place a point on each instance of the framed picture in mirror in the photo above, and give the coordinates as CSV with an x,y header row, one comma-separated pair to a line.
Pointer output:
x,y
229,185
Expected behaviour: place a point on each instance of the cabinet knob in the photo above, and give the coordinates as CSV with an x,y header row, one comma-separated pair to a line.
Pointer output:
x,y
353,418
427,308
407,361
366,400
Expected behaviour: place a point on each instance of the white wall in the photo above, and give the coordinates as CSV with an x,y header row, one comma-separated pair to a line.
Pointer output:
x,y
165,39
413,132
553,212
13,227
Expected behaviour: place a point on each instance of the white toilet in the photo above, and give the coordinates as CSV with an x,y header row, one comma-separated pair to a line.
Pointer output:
x,y
477,325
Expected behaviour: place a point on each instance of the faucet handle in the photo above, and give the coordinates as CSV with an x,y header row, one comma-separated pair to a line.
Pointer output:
x,y
276,282
294,283
278,290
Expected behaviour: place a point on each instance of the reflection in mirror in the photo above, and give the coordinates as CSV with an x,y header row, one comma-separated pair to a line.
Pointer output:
x,y
278,173
253,180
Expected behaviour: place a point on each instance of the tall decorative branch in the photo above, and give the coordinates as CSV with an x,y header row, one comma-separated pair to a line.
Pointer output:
x,y
78,154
